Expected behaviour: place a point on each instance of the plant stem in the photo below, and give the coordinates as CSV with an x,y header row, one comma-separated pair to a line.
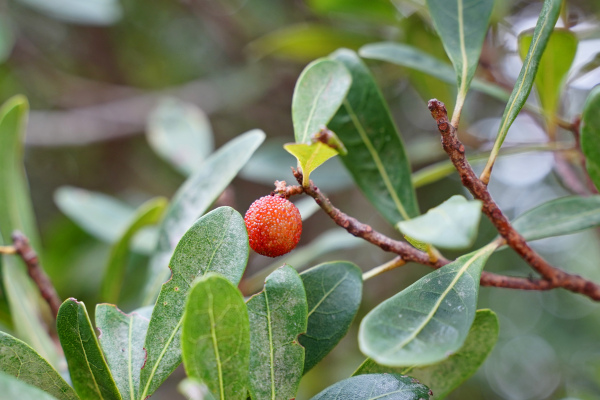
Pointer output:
x,y
37,274
388,266
404,250
8,250
456,151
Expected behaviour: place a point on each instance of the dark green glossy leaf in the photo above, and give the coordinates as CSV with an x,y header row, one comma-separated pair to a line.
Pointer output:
x,y
181,134
310,157
462,26
148,213
305,42
13,388
18,359
193,199
376,157
590,135
559,217
553,67
334,292
91,377
217,242
444,377
429,320
16,213
122,340
518,97
411,57
215,338
318,94
277,315
376,386
451,225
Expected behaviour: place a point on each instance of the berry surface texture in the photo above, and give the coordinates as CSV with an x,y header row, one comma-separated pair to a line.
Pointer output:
x,y
274,226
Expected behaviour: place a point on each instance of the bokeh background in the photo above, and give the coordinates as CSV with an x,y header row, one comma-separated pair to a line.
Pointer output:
x,y
105,77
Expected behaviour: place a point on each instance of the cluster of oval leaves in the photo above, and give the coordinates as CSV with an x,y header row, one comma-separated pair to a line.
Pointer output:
x,y
429,337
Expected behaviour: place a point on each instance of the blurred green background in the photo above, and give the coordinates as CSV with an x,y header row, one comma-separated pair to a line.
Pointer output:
x,y
102,75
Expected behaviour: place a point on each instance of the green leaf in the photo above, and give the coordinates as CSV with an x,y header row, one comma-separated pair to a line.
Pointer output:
x,y
269,164
277,315
217,242
462,26
444,377
100,215
376,10
318,94
553,67
310,157
590,135
376,157
18,359
122,340
91,377
429,320
518,97
148,213
215,338
194,198
376,386
333,292
16,213
13,388
306,42
411,57
451,225
558,217
180,133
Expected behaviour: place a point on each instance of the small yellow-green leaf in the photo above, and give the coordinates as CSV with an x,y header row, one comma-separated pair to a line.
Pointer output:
x,y
553,67
310,156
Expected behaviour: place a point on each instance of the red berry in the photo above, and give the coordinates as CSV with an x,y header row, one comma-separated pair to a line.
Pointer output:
x,y
274,226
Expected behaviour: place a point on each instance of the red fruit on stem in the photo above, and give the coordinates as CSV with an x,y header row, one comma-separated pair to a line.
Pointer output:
x,y
274,226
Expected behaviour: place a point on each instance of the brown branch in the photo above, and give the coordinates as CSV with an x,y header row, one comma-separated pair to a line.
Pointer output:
x,y
37,274
456,152
404,250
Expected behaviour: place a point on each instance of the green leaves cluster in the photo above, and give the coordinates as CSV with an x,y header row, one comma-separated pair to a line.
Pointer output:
x,y
261,347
